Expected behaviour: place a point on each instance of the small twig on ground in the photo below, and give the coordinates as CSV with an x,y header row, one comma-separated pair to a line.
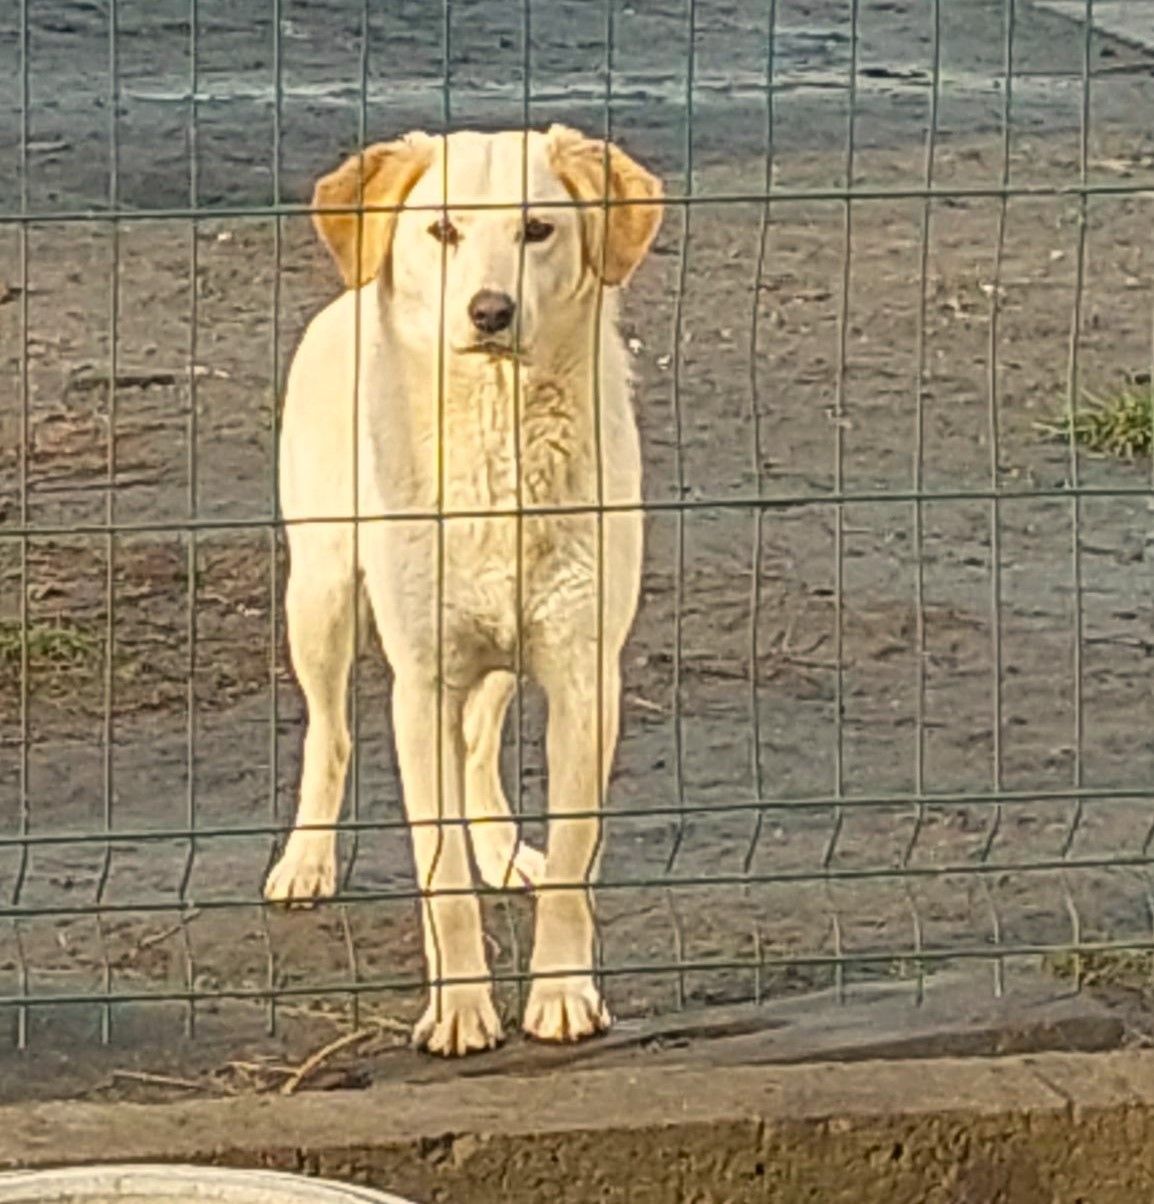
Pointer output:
x,y
259,1068
258,1077
332,1015
146,942
1123,641
315,1060
152,939
163,1080
90,376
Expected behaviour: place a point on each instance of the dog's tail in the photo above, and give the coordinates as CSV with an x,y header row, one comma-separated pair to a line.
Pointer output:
x,y
503,858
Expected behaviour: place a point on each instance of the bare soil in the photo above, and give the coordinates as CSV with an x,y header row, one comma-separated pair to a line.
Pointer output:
x,y
792,691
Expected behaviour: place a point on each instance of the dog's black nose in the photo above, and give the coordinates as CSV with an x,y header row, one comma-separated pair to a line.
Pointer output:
x,y
491,311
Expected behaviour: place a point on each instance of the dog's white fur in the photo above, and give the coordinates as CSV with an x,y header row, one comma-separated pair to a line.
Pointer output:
x,y
394,407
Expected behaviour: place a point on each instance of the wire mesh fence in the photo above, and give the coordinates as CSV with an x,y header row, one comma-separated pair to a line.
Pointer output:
x,y
886,703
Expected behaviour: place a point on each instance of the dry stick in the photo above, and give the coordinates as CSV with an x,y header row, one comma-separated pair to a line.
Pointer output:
x,y
313,1061
146,942
337,1016
254,1077
84,377
260,1067
163,1080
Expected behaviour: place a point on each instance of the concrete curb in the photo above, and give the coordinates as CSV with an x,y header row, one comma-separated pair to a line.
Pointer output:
x,y
1060,1127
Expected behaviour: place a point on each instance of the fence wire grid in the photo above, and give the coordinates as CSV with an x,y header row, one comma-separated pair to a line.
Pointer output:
x,y
886,703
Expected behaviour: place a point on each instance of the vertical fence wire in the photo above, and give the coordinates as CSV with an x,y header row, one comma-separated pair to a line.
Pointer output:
x,y
839,420
436,971
678,335
519,502
192,435
1073,386
362,137
994,440
356,584
1147,551
273,544
918,478
600,752
109,670
24,785
757,769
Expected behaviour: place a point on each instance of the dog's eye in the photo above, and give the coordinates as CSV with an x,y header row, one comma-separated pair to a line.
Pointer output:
x,y
536,230
444,231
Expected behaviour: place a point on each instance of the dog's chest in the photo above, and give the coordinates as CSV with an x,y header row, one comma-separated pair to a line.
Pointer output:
x,y
507,446
507,450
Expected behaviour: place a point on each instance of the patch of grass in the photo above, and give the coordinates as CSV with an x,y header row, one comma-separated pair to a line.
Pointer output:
x,y
57,644
1130,969
1121,424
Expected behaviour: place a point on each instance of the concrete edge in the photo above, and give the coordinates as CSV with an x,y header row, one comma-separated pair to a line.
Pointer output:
x,y
916,1128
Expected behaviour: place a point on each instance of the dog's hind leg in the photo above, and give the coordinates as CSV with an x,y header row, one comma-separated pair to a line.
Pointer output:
x,y
320,604
502,858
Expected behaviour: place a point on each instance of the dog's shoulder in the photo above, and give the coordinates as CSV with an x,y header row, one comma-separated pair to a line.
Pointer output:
x,y
328,348
334,326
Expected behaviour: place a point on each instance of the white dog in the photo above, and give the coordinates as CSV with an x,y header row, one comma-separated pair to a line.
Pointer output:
x,y
473,368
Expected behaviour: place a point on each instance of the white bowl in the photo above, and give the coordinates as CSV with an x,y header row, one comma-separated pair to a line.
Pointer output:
x,y
159,1184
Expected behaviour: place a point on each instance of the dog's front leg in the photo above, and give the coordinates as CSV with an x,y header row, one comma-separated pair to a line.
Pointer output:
x,y
460,1016
564,1003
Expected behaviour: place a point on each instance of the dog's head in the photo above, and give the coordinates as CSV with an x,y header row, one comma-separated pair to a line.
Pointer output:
x,y
499,241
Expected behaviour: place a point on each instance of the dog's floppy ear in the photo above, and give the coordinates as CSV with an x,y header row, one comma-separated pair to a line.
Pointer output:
x,y
383,174
593,170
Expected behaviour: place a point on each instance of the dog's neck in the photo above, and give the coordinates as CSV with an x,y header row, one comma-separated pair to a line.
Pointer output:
x,y
465,376
510,430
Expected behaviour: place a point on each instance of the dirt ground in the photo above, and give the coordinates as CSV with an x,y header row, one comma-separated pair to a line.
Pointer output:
x,y
205,720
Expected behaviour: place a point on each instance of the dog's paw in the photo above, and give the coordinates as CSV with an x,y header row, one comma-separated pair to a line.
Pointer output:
x,y
306,872
565,1009
462,1021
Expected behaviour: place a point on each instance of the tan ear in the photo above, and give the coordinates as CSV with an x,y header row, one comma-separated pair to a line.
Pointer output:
x,y
383,174
593,170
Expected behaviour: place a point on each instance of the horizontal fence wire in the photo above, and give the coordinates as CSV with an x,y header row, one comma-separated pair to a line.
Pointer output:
x,y
784,195
836,499
686,881
952,767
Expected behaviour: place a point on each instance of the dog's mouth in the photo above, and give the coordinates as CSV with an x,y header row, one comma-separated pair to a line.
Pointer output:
x,y
493,349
